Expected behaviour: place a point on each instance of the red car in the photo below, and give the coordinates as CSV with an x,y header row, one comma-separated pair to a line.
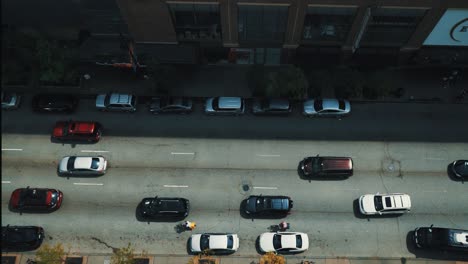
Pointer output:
x,y
35,200
77,131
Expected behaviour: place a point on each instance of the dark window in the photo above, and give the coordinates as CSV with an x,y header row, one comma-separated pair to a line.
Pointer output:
x,y
205,242
318,105
95,163
328,23
230,242
298,241
71,163
378,203
262,23
388,201
196,21
341,104
391,26
277,241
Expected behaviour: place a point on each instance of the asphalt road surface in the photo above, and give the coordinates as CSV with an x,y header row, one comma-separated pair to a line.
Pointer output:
x,y
100,211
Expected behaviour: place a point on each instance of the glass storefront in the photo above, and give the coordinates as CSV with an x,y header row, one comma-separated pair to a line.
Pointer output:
x,y
260,23
196,22
391,26
328,23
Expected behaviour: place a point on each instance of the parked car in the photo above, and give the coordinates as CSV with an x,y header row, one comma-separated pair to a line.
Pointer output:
x,y
82,166
393,203
177,105
61,103
215,243
269,106
21,238
460,169
86,131
326,107
35,200
268,206
284,242
163,208
439,238
116,102
225,106
10,101
325,167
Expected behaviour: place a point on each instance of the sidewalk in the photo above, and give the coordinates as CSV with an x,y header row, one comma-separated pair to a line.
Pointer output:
x,y
105,259
422,85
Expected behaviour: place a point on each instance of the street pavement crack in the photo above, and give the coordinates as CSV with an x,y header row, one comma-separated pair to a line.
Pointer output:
x,y
105,244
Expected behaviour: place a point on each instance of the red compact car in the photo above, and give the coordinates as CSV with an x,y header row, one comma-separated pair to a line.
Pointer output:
x,y
77,131
35,200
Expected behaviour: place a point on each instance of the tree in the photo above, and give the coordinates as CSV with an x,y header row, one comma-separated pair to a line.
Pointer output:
x,y
50,254
272,258
123,255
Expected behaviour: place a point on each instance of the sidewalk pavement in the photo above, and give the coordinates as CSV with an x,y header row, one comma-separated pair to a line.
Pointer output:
x,y
105,259
422,85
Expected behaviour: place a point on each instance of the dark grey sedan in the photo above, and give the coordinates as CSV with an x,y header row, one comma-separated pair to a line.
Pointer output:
x,y
179,105
268,106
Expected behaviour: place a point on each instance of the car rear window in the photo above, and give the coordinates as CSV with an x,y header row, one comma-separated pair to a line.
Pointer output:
x,y
277,241
341,104
388,201
230,242
378,203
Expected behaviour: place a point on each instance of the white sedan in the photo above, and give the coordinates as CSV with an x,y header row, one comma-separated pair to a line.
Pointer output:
x,y
393,203
284,242
82,166
214,243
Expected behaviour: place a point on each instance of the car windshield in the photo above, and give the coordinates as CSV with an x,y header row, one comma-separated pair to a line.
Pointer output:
x,y
341,104
318,105
95,163
277,241
378,203
316,165
230,242
205,242
71,163
298,241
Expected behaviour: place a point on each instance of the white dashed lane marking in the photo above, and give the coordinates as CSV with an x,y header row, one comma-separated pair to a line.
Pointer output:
x,y
88,184
11,149
96,151
175,186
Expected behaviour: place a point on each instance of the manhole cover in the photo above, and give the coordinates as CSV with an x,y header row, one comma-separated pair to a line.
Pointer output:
x,y
245,187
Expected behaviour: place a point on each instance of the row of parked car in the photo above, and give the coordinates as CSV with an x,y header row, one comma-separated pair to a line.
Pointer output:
x,y
160,105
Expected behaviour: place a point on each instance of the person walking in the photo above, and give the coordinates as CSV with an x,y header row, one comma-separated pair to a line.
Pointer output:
x,y
190,225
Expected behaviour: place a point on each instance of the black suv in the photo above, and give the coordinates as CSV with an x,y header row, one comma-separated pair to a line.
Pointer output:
x,y
268,206
163,208
54,103
21,238
441,238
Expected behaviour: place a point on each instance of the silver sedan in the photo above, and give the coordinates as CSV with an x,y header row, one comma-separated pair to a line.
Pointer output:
x,y
326,107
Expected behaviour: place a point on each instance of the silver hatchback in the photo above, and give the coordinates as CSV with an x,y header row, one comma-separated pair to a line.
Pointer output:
x,y
326,107
224,106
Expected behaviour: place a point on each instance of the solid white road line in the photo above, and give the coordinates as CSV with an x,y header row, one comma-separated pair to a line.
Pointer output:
x,y
182,153
86,183
435,158
266,188
435,191
175,186
6,181
268,155
97,151
11,149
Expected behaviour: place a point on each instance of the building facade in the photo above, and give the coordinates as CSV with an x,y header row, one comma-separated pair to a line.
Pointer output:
x,y
271,32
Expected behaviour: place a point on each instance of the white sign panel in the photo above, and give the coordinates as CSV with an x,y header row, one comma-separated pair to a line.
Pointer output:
x,y
451,30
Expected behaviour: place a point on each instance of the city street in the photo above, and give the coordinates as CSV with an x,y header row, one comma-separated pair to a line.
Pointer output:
x,y
323,209
216,162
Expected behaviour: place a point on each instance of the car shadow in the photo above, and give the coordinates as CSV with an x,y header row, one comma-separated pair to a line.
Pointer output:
x,y
73,143
431,253
359,215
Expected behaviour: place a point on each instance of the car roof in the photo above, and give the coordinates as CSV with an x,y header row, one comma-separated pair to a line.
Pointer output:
x,y
83,162
396,201
229,102
337,163
120,98
218,241
278,103
331,104
83,127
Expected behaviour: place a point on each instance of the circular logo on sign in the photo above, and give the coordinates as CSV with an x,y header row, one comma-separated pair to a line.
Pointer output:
x,y
458,27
